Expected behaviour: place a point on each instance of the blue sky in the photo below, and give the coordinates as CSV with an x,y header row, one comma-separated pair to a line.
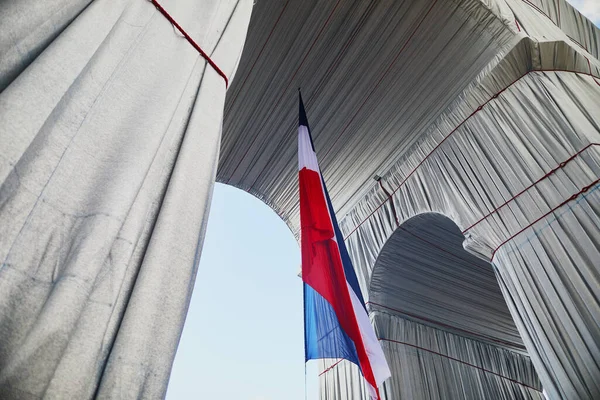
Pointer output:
x,y
243,337
589,8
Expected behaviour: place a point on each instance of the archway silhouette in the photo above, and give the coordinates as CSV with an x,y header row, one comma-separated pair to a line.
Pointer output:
x,y
442,321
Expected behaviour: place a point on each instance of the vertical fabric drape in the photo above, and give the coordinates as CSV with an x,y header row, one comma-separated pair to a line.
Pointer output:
x,y
429,363
110,126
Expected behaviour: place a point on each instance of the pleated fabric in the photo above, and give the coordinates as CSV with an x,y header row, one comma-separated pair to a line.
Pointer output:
x,y
551,280
110,125
484,111
430,363
459,110
442,320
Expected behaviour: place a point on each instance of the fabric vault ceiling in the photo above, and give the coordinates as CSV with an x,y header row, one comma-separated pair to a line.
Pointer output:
x,y
374,75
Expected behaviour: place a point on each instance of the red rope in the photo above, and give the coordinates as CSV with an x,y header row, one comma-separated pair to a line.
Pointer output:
x,y
539,10
548,174
461,361
191,41
573,197
577,42
330,368
445,356
590,69
452,132
504,343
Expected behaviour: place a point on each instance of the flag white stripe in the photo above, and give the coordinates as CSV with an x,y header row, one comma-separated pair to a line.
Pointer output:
x,y
379,365
306,155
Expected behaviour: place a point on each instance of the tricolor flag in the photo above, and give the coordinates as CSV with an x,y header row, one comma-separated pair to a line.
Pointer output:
x,y
336,324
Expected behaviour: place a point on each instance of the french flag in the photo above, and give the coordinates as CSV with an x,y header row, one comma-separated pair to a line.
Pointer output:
x,y
336,324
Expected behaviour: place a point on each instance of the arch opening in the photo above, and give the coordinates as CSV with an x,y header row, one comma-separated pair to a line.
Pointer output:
x,y
424,273
442,320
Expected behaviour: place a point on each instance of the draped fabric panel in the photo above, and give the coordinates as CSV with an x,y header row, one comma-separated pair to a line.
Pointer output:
x,y
435,364
28,27
374,76
528,124
549,274
485,111
109,139
423,271
442,319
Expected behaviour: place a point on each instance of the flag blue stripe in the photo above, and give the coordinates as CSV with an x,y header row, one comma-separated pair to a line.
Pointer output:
x,y
323,336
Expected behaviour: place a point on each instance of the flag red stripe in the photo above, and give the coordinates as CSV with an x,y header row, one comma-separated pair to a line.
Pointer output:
x,y
322,267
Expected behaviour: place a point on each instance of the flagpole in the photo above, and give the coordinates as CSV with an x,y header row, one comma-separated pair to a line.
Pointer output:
x,y
303,316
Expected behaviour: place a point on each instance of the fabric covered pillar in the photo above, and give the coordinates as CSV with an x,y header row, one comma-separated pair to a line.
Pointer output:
x,y
550,278
110,125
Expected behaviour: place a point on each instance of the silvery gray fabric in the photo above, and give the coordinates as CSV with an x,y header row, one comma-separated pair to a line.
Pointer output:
x,y
442,321
109,142
110,129
434,364
503,90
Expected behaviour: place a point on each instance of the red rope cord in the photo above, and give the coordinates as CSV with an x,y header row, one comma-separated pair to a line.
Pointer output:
x,y
538,9
191,41
545,176
330,368
504,343
257,58
573,197
577,42
445,356
289,83
590,69
452,132
462,362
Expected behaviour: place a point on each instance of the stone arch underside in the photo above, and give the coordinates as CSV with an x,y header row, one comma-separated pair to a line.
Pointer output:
x,y
484,111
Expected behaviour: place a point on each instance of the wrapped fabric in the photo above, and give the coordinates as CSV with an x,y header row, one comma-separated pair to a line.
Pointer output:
x,y
109,142
435,364
458,106
442,320
485,111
